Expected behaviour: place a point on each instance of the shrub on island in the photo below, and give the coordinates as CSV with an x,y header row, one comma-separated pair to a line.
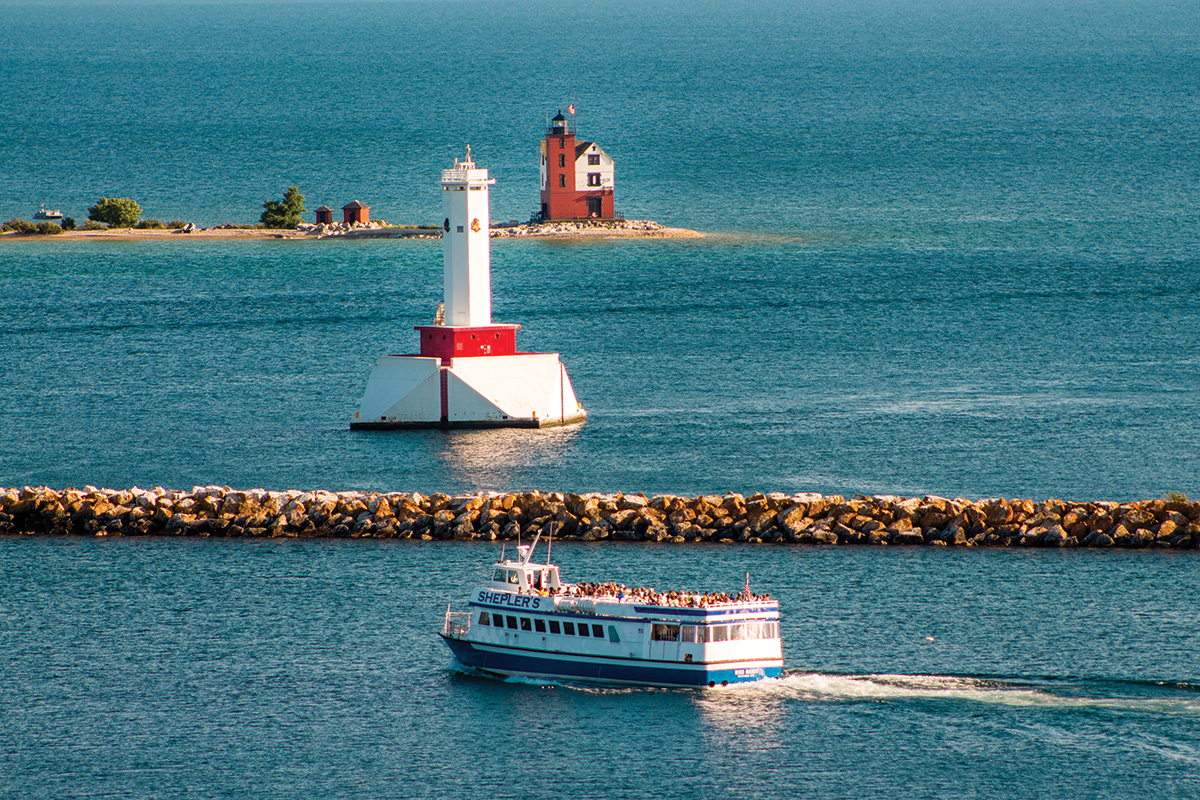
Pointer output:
x,y
177,224
92,225
68,223
285,213
117,212
49,229
23,226
151,224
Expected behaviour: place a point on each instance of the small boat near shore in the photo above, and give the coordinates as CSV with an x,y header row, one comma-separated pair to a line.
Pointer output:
x,y
526,621
48,213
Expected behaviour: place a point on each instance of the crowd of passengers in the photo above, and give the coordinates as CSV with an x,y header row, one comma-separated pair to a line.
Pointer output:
x,y
620,591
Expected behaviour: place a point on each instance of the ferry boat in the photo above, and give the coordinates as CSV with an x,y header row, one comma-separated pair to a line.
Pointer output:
x,y
526,621
48,213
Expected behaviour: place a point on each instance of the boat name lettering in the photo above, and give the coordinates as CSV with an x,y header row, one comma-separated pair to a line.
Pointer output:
x,y
504,599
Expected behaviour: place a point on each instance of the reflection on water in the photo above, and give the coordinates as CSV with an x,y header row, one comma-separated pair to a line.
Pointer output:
x,y
487,460
750,714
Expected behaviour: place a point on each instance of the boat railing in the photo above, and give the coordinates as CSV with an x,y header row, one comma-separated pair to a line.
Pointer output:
x,y
457,623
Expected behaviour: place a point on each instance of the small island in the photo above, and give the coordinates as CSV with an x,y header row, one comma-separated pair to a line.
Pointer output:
x,y
556,229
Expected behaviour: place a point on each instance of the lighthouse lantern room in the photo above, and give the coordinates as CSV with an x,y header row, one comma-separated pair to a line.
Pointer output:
x,y
468,373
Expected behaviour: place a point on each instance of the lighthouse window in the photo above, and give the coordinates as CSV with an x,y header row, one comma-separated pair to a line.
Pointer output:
x,y
554,627
562,180
539,625
593,179
485,618
526,624
562,159
593,160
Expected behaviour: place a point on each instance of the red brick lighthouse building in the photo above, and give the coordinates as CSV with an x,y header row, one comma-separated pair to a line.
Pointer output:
x,y
577,176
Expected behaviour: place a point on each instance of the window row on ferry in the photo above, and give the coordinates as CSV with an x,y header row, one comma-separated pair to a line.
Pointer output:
x,y
737,631
540,626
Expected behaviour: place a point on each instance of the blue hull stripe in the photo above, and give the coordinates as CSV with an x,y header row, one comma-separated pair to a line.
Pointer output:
x,y
624,671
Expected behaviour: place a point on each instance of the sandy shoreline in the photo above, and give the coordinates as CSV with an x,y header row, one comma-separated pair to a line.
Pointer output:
x,y
633,229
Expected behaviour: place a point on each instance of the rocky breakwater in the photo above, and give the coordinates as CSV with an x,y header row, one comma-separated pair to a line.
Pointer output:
x,y
759,518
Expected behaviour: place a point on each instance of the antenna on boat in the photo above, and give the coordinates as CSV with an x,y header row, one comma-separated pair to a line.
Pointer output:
x,y
746,591
528,553
502,546
550,542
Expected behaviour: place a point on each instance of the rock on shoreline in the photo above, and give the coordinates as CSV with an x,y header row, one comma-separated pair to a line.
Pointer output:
x,y
593,228
759,518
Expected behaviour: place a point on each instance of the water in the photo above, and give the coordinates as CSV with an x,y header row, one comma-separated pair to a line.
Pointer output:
x,y
953,250
287,669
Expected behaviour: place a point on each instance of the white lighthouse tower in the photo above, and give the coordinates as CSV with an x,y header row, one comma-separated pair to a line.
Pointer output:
x,y
468,373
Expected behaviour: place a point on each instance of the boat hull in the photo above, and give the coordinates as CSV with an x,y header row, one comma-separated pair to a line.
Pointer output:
x,y
500,660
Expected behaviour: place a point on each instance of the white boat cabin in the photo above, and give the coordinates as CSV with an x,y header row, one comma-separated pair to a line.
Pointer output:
x,y
523,576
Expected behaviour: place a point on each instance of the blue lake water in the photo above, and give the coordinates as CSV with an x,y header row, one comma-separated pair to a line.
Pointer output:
x,y
953,249
158,668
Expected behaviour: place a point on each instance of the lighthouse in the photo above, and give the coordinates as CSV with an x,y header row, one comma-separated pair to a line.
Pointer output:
x,y
577,176
467,373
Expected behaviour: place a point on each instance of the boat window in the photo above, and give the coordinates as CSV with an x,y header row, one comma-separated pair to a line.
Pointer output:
x,y
485,618
737,631
583,631
513,576
569,628
526,624
512,623
687,633
753,630
554,626
598,631
539,625
537,580
612,634
499,576
498,620
703,634
661,632
770,630
720,633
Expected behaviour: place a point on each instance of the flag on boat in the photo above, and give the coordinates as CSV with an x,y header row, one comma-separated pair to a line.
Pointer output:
x,y
571,108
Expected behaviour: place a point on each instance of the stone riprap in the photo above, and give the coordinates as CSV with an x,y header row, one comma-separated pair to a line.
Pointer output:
x,y
759,518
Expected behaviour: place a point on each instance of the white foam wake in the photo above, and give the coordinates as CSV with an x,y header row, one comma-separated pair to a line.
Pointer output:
x,y
821,687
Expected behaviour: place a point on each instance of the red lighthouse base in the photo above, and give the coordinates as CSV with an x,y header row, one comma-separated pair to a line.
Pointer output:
x,y
468,377
451,341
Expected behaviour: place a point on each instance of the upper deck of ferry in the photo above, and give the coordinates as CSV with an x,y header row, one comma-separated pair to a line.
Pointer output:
x,y
524,578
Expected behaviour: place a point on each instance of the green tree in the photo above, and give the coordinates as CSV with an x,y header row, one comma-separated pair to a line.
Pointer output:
x,y
117,212
285,214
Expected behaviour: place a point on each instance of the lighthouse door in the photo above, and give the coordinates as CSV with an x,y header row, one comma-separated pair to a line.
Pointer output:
x,y
594,207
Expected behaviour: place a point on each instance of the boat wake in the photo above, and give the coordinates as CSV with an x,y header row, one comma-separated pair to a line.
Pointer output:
x,y
1147,697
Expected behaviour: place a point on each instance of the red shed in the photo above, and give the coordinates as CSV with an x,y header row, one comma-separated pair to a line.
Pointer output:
x,y
356,211
324,215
